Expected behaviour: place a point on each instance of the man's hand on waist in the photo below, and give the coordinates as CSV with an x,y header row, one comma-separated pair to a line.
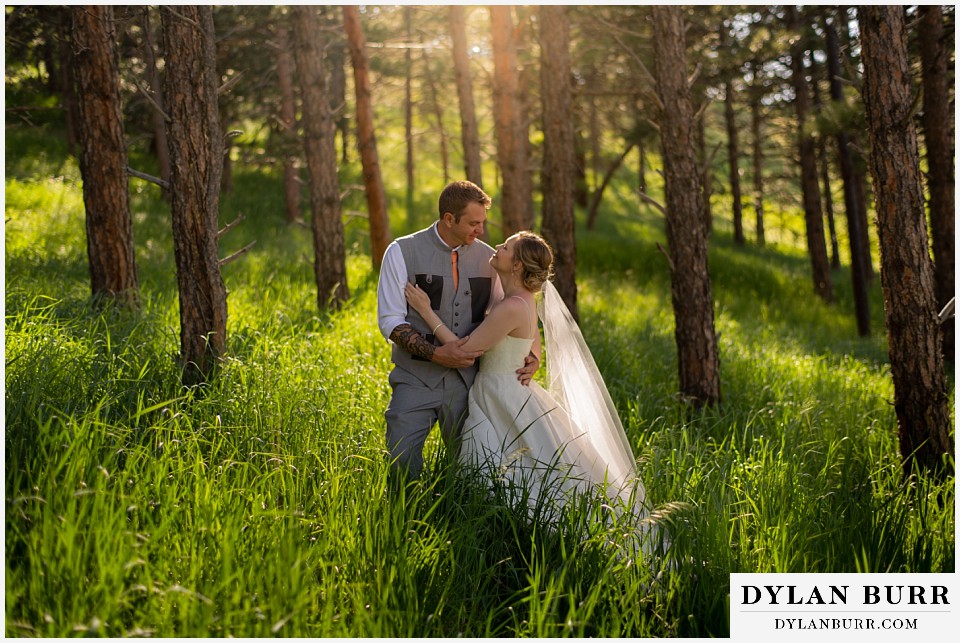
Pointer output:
x,y
452,355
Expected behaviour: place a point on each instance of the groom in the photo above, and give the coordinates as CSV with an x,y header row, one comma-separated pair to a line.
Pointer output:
x,y
429,380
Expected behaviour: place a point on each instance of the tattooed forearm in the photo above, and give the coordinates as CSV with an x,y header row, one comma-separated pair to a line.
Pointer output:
x,y
411,341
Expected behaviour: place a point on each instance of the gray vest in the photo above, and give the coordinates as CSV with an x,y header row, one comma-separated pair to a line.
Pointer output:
x,y
428,264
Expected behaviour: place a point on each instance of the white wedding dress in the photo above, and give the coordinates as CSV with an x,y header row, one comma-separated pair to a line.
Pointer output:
x,y
526,439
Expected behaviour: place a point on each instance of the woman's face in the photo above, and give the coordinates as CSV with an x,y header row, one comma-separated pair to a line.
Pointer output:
x,y
503,259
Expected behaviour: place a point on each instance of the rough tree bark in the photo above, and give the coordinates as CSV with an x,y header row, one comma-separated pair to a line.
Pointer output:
x,y
698,355
510,129
103,157
380,236
330,263
938,136
196,151
558,153
468,117
920,387
813,213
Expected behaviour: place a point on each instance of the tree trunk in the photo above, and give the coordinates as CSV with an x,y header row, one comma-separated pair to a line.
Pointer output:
x,y
527,107
372,179
408,113
698,357
824,165
733,161
641,165
288,125
580,195
863,202
436,106
860,163
920,387
330,264
828,204
196,151
103,157
509,126
156,115
338,95
595,158
706,169
558,153
859,242
733,146
468,118
938,136
816,244
56,21
67,78
756,125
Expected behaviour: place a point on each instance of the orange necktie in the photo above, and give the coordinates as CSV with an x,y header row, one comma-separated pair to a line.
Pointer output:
x,y
456,273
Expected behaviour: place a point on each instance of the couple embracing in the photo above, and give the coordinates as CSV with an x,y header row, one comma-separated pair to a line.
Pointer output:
x,y
462,317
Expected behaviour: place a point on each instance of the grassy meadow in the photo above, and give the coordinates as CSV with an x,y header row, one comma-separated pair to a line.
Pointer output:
x,y
256,505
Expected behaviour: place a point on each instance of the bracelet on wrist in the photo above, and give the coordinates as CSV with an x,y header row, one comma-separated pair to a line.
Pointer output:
x,y
434,331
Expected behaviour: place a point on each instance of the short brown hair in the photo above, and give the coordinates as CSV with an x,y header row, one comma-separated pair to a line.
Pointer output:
x,y
458,195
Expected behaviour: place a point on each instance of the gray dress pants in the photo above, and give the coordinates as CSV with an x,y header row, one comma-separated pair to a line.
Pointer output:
x,y
413,410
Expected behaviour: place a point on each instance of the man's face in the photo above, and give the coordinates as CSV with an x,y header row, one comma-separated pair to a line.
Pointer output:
x,y
470,226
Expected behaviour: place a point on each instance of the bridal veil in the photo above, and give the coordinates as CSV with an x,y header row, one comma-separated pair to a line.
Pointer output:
x,y
576,384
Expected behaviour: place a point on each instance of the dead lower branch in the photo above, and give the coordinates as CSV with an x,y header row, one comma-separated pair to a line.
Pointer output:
x,y
148,177
227,86
149,96
695,75
230,226
673,268
236,255
649,199
350,188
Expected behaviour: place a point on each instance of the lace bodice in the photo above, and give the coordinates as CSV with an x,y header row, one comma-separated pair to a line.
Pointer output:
x,y
506,356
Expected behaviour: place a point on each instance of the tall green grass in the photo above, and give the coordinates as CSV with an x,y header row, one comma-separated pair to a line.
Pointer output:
x,y
258,504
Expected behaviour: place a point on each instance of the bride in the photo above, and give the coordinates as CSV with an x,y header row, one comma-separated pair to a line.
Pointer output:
x,y
549,447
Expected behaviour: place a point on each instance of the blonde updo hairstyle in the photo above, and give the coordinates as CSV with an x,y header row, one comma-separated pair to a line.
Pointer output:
x,y
536,260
